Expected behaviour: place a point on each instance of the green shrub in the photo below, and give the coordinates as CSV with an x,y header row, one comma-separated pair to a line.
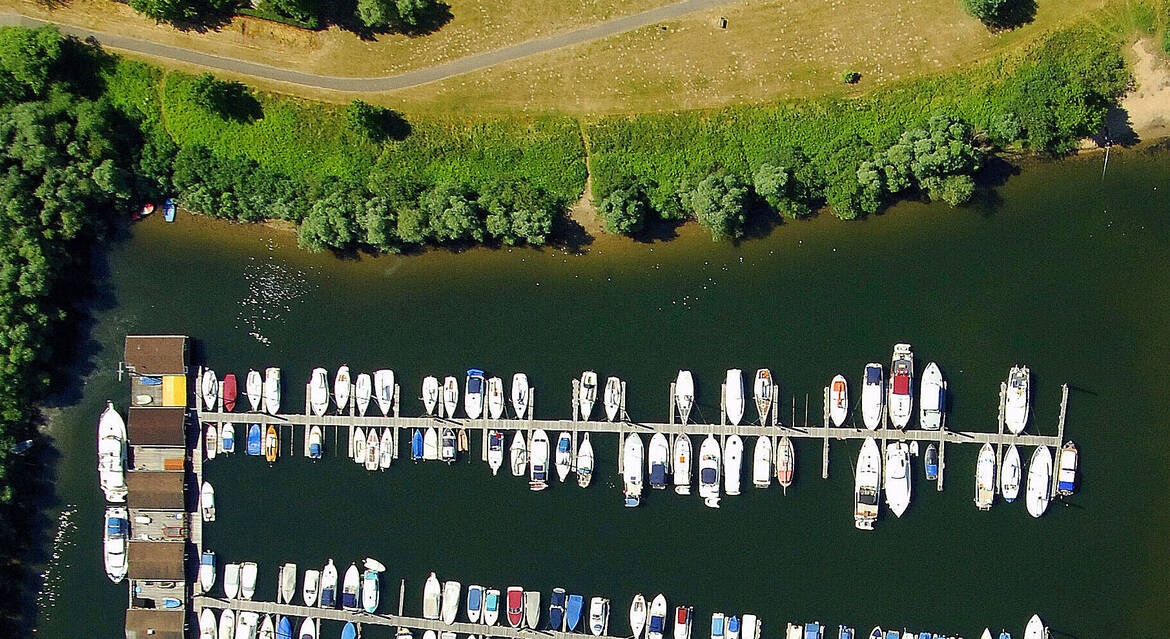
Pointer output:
x,y
624,210
720,204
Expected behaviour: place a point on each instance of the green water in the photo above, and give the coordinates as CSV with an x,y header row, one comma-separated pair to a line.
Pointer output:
x,y
1059,269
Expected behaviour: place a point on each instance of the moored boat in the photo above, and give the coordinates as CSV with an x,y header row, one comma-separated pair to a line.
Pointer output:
x,y
254,389
319,391
763,390
495,397
1010,474
495,451
370,591
430,393
341,388
867,485
873,395
112,454
386,449
207,565
308,629
271,444
115,541
732,464
838,400
272,390
556,609
207,502
752,627
683,616
684,395
632,459
311,587
491,606
209,386
985,478
432,597
450,604
1035,629
718,625
762,462
358,448
657,459
351,589
1017,400
255,443
785,461
207,628
384,391
563,459
231,580
430,444
363,391
316,442
710,464
733,399
901,399
731,630
474,603
897,477
328,596
229,392
932,404
1039,481
638,615
599,616
287,580
227,438
448,445
372,444
450,396
656,624
284,628
538,460
681,464
587,394
227,623
532,608
518,454
473,393
584,462
613,398
211,442
930,462
1066,479
520,395
248,573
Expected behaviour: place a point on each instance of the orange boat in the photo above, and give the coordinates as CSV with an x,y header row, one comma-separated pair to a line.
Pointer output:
x,y
271,444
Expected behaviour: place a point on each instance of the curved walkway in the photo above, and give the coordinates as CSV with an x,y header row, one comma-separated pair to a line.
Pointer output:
x,y
416,77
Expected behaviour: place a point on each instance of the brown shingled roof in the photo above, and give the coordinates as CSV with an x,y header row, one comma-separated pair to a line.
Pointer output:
x,y
159,490
155,560
156,426
156,354
154,624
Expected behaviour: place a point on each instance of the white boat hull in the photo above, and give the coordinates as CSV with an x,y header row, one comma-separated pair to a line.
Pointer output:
x,y
732,465
762,462
897,477
1039,488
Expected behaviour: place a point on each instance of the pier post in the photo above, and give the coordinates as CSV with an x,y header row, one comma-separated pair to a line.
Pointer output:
x,y
483,442
671,399
942,459
573,398
825,447
1000,424
531,403
396,407
775,403
401,595
620,448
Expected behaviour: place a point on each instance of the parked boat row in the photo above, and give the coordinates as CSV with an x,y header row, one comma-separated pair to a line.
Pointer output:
x,y
251,625
260,441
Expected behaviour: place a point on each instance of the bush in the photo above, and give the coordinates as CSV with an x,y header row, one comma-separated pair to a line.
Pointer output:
x,y
375,123
624,210
850,77
1001,13
519,212
720,204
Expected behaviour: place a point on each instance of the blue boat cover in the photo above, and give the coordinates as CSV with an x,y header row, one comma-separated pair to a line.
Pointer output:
x,y
474,371
573,611
563,444
208,558
150,381
348,600
254,439
893,634
812,630
284,628
716,626
227,441
315,450
327,597
416,444
925,635
707,476
844,632
349,631
474,381
114,525
1005,635
733,624
1064,485
473,598
658,475
873,374
539,472
656,624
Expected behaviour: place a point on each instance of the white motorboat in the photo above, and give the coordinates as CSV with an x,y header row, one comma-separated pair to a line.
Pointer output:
x,y
246,623
867,481
432,597
448,444
430,393
638,615
451,590
115,541
587,394
450,396
518,454
584,462
287,580
658,461
762,462
308,629
254,389
473,393
710,465
328,596
227,623
718,625
599,616
1066,479
538,455
632,469
563,459
838,400
386,449
207,627
248,572
1018,399
495,450
681,464
532,608
351,586
764,390
785,461
613,398
897,477
683,617
684,395
1010,474
272,390
985,478
319,391
209,385
311,587
733,399
207,502
901,397
363,390
873,395
359,445
112,454
1039,488
231,580
370,591
211,442
474,603
267,629
495,397
1035,629
207,565
732,464
491,607
341,388
384,390
932,404
227,438
656,624
520,395
431,444
752,627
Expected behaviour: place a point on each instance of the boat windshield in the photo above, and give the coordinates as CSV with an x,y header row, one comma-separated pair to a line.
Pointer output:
x,y
474,385
873,375
867,497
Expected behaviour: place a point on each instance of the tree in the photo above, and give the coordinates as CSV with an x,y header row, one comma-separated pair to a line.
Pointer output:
x,y
926,159
186,12
413,12
376,14
453,213
408,15
379,222
624,210
331,221
375,123
720,204
1001,13
517,212
30,55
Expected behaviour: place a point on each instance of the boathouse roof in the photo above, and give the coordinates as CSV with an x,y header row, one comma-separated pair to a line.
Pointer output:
x,y
156,354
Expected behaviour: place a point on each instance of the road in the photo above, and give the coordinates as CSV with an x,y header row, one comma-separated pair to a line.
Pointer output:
x,y
404,80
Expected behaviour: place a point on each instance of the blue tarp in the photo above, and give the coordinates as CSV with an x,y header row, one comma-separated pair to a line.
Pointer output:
x,y
733,624
716,626
416,444
348,600
573,611
473,598
349,631
1065,485
656,624
658,475
254,447
284,628
873,375
114,525
812,631
327,598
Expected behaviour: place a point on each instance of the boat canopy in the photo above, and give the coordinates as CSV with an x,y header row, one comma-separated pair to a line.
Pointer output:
x,y
114,525
681,615
873,374
474,385
716,626
657,623
901,384
658,475
348,600
934,401
707,475
812,631
868,497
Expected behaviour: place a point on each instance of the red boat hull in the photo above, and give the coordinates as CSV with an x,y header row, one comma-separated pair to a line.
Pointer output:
x,y
515,607
229,392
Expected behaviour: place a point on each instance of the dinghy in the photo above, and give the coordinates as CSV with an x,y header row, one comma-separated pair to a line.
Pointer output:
x,y
430,393
897,477
656,625
495,397
491,606
762,462
229,392
785,462
254,389
531,608
681,464
563,460
985,478
867,485
632,459
733,400
431,444
732,630
613,398
657,459
587,394
873,395
209,385
272,390
520,395
358,449
370,591
684,395
518,454
463,442
255,443
211,442
718,625
372,444
450,396
227,438
363,389
930,464
473,393
682,622
1018,399
1066,479
838,400
584,462
448,450
384,390
1039,481
308,629
319,391
288,582
271,444
1035,629
732,464
112,454
495,451
538,457
207,629
416,444
349,631
901,397
638,615
207,502
351,588
227,623
763,390
474,603
114,544
316,442
710,463
341,388
328,597
207,570
432,597
231,580
932,404
248,573
311,585
556,609
598,616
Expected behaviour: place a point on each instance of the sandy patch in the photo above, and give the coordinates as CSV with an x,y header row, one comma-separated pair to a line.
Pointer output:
x,y
1148,105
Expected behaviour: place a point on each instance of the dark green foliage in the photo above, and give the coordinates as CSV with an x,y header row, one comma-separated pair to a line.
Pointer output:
x,y
624,210
376,13
453,213
375,123
187,13
235,188
720,204
789,182
228,99
518,212
850,77
332,221
28,58
1001,13
925,159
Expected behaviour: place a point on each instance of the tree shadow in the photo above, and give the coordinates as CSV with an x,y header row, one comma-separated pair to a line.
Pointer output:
x,y
233,101
1014,14
569,234
1118,129
656,230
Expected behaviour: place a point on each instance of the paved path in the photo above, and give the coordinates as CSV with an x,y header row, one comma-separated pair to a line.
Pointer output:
x,y
386,83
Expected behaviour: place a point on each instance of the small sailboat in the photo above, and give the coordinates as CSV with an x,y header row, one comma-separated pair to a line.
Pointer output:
x,y
254,389
556,609
474,603
1066,479
1018,400
363,389
985,478
328,596
272,390
227,438
255,443
341,388
229,392
901,397
733,400
598,616
207,629
430,394
632,459
1035,629
308,629
658,458
563,460
311,587
209,385
732,464
656,625
1039,481
211,442
288,582
372,444
115,542
762,462
518,454
248,573
718,625
532,608
520,395
930,462
838,400
587,394
112,454
359,445
319,391
710,463
897,477
495,451
867,485
681,464
370,591
613,398
227,623
683,616
231,580
873,395
271,444
384,390
431,444
638,615
207,570
584,462
448,445
350,589
538,461
316,442
450,395
207,502
763,390
495,397
473,393
432,597
491,606
785,462
933,402
684,395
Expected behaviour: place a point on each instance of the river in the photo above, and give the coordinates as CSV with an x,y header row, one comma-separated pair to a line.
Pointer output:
x,y
1059,268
